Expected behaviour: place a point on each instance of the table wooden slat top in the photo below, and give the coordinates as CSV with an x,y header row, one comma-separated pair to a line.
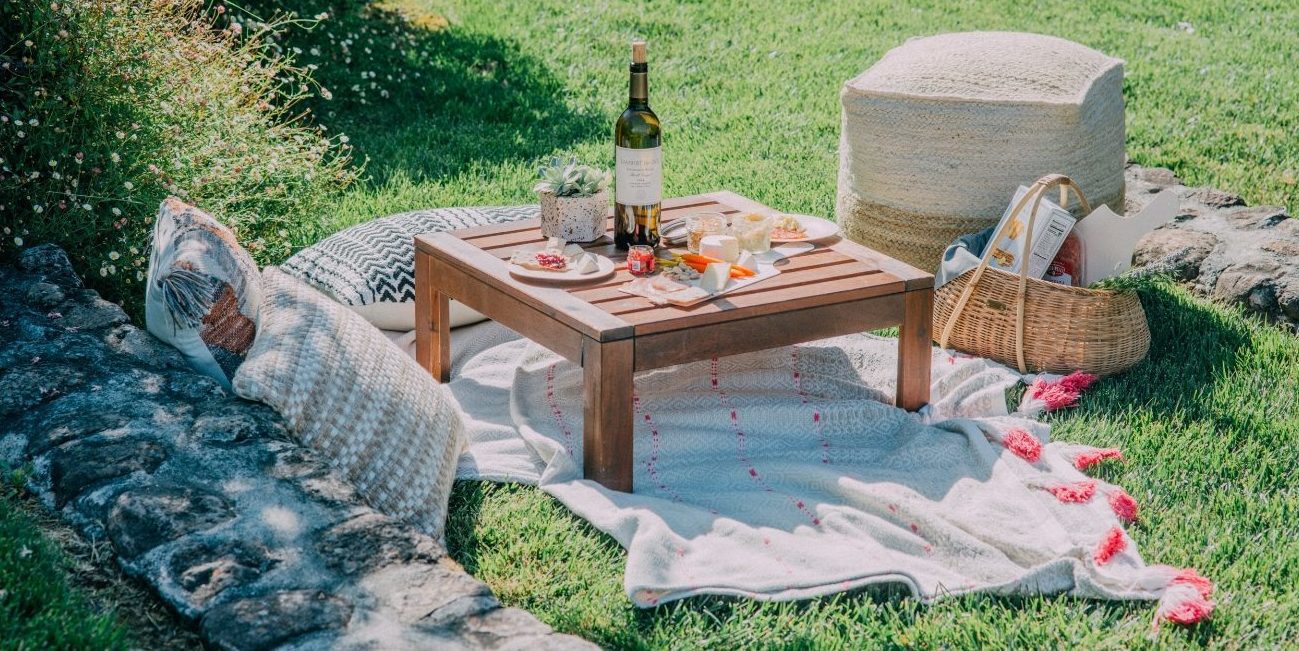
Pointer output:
x,y
838,288
840,271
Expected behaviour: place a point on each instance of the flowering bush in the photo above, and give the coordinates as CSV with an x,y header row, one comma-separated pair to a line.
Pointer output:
x,y
108,106
367,55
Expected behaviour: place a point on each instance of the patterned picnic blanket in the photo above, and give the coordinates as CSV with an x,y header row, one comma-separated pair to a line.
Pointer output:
x,y
788,474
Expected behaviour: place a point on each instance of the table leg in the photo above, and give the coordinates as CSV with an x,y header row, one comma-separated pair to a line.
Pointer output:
x,y
607,369
432,321
914,345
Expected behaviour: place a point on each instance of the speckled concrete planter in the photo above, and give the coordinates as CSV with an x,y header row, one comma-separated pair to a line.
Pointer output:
x,y
576,219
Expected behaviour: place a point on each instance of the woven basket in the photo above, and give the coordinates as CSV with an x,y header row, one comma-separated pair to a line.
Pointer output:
x,y
1038,325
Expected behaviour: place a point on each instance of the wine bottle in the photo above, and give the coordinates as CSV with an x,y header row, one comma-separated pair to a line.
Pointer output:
x,y
638,162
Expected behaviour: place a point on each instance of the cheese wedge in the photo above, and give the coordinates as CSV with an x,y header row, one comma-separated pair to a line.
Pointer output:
x,y
586,264
572,250
715,277
748,261
721,247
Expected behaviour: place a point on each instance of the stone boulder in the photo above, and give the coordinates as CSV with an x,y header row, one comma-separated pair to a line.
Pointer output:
x,y
205,497
1223,248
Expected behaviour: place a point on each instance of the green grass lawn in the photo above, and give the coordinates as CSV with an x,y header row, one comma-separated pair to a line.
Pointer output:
x,y
38,609
749,91
748,94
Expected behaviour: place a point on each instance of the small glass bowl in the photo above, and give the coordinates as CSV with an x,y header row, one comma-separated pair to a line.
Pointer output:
x,y
753,230
701,224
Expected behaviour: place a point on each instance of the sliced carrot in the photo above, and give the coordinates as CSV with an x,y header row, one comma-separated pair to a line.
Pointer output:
x,y
701,262
695,258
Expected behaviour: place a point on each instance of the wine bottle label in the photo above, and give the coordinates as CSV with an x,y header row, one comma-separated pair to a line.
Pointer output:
x,y
638,176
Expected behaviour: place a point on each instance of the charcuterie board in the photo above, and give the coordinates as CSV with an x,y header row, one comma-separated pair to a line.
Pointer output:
x,y
662,290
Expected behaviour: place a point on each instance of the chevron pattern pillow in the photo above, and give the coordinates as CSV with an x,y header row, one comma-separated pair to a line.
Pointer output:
x,y
370,267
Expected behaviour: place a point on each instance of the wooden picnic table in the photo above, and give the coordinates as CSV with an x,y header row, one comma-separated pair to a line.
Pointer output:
x,y
839,288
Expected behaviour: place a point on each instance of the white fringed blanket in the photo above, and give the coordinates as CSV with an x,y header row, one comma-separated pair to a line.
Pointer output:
x,y
788,474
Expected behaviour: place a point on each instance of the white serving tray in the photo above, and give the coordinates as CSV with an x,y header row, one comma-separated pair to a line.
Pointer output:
x,y
764,272
766,269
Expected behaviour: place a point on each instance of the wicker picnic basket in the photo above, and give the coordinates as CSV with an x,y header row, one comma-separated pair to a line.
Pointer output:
x,y
1036,325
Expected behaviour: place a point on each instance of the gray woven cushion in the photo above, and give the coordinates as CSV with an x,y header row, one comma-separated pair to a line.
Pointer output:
x,y
348,393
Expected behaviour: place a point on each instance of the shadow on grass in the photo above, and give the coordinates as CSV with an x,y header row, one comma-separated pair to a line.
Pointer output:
x,y
421,99
1193,345
462,513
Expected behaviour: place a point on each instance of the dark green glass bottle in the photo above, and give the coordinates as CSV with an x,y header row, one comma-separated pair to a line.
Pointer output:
x,y
638,163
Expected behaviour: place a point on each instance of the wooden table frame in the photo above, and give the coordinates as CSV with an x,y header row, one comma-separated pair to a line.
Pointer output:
x,y
839,289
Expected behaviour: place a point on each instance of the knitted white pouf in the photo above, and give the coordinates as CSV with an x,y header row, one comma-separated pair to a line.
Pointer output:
x,y
939,133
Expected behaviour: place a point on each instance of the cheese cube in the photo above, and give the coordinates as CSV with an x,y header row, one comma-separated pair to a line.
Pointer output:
x,y
748,261
715,277
721,247
586,264
556,243
572,250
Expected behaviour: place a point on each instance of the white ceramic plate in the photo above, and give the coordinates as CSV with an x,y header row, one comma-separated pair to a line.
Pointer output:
x,y
569,276
816,227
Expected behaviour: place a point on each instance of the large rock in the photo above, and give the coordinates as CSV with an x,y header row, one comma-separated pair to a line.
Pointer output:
x,y
1228,251
260,623
49,262
371,541
1177,251
209,567
146,518
79,465
206,499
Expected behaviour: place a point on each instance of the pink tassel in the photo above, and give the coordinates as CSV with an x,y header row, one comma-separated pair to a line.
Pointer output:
x,y
1024,445
1085,460
1186,611
1078,381
1110,546
1185,600
1063,392
1124,505
1077,492
1192,578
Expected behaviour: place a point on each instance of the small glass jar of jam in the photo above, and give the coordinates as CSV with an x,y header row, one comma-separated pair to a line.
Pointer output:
x,y
640,260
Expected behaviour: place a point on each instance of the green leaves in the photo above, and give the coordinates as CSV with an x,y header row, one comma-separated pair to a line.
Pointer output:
x,y
567,178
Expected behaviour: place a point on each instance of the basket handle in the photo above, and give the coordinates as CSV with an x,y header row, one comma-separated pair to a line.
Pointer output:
x,y
1036,192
